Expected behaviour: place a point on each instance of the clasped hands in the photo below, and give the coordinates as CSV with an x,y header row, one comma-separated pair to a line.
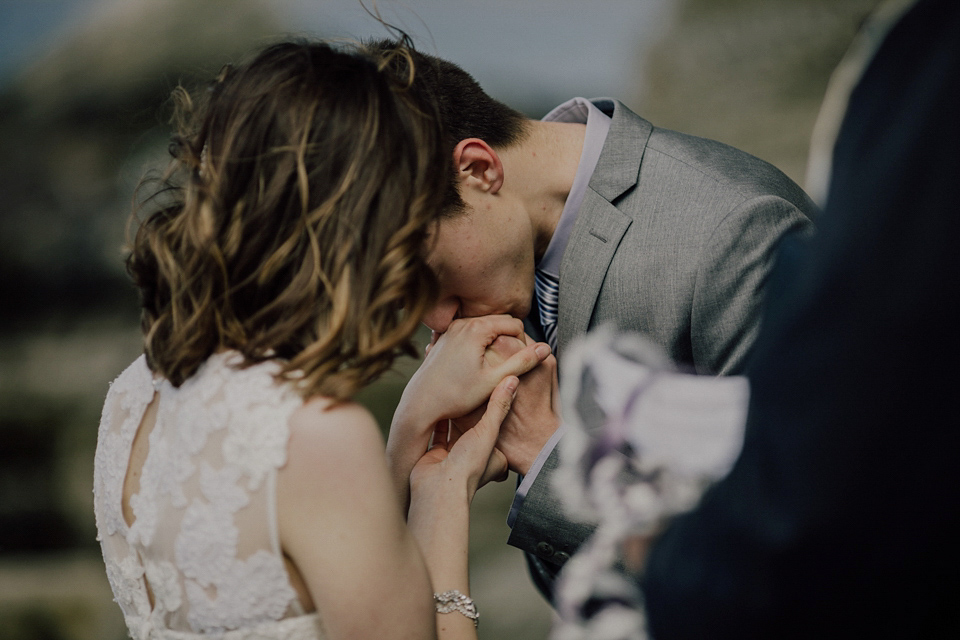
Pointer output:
x,y
444,423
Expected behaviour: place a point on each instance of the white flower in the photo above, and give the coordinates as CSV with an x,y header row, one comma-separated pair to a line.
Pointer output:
x,y
165,582
126,581
108,482
126,401
140,627
257,444
256,590
204,616
253,591
194,423
220,488
134,391
207,544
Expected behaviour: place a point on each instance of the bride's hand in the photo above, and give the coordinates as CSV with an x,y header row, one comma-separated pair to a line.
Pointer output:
x,y
498,351
456,376
468,457
442,485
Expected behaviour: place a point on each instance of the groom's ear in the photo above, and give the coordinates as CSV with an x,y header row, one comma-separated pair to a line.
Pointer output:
x,y
478,166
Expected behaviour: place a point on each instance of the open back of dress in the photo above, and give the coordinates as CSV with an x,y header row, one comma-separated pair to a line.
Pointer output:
x,y
204,535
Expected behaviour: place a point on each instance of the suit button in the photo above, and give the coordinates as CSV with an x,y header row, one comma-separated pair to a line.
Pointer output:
x,y
561,557
544,549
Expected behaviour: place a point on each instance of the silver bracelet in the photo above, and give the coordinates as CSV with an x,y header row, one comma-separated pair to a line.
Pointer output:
x,y
453,600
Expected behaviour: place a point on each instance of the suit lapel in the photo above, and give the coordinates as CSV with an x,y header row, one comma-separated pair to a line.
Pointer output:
x,y
600,225
582,276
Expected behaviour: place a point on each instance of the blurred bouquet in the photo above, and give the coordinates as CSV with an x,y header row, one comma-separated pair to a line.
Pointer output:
x,y
642,442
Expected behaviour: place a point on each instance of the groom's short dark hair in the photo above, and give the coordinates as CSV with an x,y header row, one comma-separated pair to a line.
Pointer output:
x,y
466,110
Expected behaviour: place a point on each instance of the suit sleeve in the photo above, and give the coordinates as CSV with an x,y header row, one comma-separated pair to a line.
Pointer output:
x,y
542,528
731,280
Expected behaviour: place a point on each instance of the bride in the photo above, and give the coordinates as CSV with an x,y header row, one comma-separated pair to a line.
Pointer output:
x,y
239,493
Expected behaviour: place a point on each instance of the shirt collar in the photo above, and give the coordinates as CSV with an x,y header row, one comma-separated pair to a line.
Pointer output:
x,y
581,111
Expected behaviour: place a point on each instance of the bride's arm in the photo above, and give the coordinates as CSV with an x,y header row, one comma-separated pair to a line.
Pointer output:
x,y
442,485
343,530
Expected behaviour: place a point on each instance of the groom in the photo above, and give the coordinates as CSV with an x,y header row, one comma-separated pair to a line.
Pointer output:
x,y
592,216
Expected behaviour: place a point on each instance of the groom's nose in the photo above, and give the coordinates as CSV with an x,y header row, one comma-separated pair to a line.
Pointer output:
x,y
439,317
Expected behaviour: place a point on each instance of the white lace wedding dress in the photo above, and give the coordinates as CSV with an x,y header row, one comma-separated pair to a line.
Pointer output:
x,y
204,543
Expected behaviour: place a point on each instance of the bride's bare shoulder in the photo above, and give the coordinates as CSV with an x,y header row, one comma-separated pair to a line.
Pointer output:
x,y
333,439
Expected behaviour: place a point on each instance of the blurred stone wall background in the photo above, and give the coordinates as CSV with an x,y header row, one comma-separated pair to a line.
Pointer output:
x,y
83,118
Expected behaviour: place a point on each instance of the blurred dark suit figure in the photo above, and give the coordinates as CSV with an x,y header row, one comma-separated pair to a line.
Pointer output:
x,y
841,518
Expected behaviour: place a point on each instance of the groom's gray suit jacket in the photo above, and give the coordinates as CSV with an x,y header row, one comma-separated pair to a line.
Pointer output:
x,y
674,239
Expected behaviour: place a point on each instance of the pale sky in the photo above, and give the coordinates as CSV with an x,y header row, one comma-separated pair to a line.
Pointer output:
x,y
526,52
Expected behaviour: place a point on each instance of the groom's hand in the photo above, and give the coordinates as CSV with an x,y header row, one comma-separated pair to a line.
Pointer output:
x,y
533,418
535,414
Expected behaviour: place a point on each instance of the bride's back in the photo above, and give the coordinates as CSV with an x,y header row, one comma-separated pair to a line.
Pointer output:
x,y
185,499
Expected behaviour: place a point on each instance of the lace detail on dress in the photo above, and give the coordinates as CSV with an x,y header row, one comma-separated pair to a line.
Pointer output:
x,y
203,536
165,581
126,402
252,591
126,581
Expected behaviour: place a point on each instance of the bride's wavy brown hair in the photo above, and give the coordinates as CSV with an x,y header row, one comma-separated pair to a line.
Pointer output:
x,y
291,221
